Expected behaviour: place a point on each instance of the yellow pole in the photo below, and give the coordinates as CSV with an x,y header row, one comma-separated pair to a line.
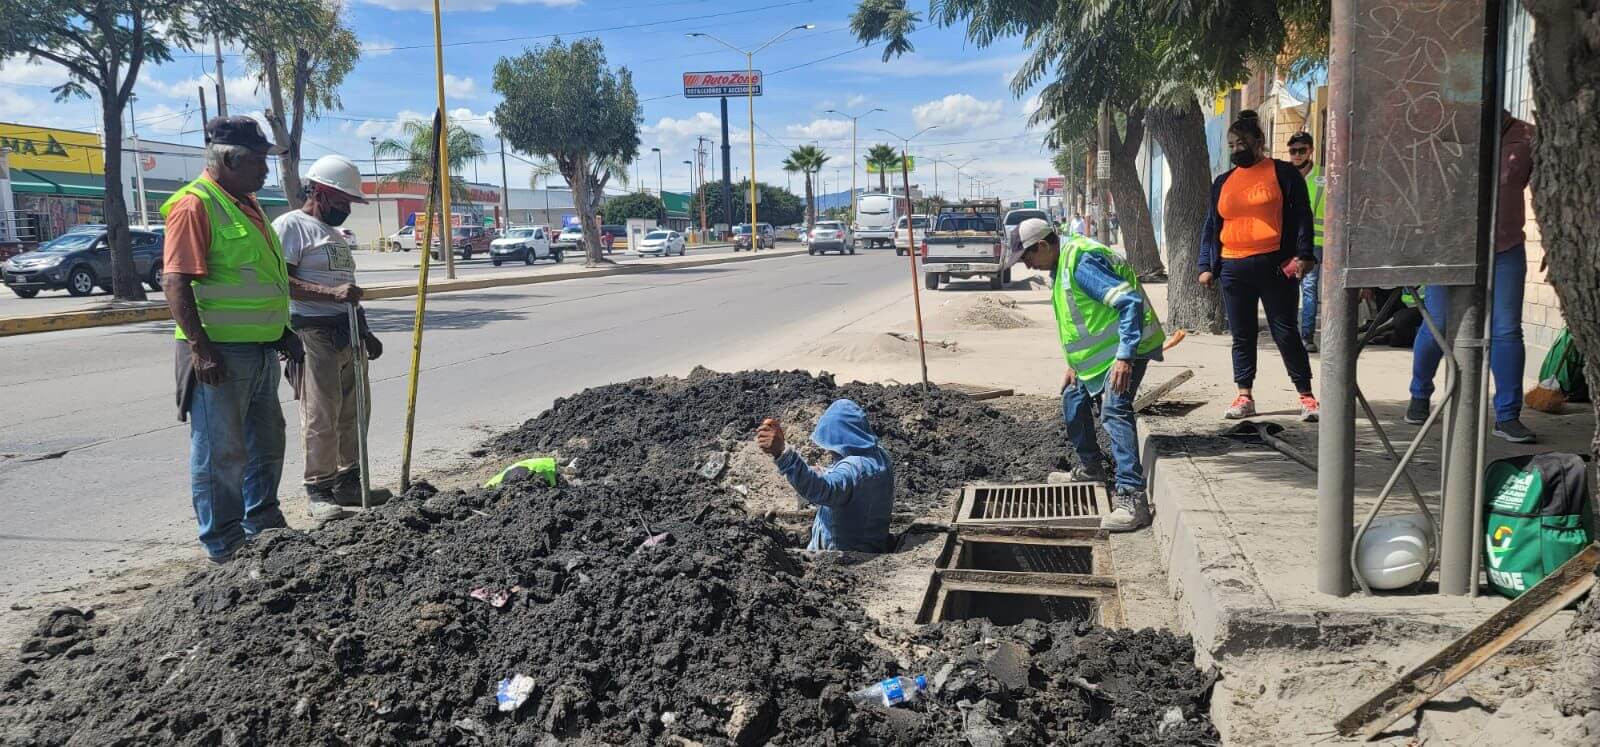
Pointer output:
x,y
750,87
441,173
429,228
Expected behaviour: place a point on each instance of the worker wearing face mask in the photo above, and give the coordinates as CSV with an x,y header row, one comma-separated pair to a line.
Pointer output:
x,y
323,271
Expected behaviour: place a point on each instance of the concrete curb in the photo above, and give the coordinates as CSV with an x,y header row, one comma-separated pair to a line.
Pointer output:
x,y
155,312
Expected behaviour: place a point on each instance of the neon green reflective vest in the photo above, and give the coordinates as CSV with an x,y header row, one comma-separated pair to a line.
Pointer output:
x,y
1315,187
544,467
244,296
1088,326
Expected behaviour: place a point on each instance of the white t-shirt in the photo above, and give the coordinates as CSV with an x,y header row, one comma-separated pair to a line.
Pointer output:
x,y
316,253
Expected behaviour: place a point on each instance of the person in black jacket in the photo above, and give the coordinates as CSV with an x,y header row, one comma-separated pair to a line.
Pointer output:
x,y
1257,244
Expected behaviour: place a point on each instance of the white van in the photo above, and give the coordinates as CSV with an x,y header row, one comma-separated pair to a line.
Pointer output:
x,y
875,218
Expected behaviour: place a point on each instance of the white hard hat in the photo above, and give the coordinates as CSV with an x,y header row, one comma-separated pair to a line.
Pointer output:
x,y
1029,232
339,173
1394,551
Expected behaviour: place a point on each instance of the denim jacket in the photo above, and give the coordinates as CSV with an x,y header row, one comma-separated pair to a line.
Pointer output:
x,y
855,496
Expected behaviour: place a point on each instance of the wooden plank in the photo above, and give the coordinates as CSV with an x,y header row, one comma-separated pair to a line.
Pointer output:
x,y
1572,580
1150,397
1022,582
978,392
1035,535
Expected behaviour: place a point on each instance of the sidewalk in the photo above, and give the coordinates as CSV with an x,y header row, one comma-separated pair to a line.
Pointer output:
x,y
99,312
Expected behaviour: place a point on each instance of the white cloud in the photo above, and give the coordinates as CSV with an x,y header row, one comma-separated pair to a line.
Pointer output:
x,y
456,87
855,101
958,112
821,129
17,70
674,130
166,120
19,107
242,90
375,47
426,6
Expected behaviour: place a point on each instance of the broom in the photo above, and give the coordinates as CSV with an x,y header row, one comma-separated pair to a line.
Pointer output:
x,y
1546,396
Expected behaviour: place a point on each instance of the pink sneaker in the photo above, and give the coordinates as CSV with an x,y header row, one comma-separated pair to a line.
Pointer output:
x,y
1310,411
1243,407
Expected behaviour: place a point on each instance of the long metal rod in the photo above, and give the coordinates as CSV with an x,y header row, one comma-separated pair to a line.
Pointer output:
x,y
358,360
916,289
1336,434
429,227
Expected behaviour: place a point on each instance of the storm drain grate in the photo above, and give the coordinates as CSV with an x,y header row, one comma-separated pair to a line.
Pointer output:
x,y
1066,504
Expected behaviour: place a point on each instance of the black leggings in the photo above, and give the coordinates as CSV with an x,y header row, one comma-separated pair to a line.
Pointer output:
x,y
1258,278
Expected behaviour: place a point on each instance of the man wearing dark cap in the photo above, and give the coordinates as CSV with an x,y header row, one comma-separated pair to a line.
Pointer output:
x,y
228,289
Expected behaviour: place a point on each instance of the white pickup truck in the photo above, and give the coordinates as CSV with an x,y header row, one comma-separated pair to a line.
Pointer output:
x,y
965,240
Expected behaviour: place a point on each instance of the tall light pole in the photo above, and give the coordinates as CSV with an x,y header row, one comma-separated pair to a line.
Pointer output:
x,y
905,155
958,168
853,119
377,188
750,88
689,208
661,186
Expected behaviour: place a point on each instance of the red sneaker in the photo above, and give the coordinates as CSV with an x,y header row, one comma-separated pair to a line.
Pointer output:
x,y
1243,407
1310,411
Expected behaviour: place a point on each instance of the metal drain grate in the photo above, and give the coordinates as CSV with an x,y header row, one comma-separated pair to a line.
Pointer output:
x,y
1067,504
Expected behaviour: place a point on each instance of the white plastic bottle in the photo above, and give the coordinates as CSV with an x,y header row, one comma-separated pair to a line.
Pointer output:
x,y
892,691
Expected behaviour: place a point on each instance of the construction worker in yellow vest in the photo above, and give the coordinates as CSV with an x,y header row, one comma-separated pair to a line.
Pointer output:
x,y
228,290
1300,151
1109,333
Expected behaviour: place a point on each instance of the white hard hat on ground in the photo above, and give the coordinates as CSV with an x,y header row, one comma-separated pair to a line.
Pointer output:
x,y
339,173
1029,232
1394,551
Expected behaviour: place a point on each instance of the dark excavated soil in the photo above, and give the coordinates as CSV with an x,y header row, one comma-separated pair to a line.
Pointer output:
x,y
367,632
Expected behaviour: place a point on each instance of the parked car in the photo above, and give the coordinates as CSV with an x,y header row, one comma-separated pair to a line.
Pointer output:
x,y
404,239
830,236
902,237
765,237
465,241
1013,219
965,241
570,239
665,243
529,244
79,261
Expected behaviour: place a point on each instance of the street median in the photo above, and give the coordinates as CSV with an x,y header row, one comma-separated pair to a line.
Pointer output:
x,y
109,316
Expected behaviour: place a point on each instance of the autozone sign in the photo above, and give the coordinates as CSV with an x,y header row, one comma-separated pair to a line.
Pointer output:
x,y
721,83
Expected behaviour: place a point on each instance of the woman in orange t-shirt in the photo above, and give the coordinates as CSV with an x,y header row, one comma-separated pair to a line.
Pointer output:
x,y
1256,245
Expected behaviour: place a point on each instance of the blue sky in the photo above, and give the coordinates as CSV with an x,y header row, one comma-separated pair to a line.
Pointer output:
x,y
948,82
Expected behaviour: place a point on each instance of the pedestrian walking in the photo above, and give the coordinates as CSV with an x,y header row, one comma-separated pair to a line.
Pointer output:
x,y
1257,246
227,287
322,277
1300,147
1109,333
1506,352
1078,227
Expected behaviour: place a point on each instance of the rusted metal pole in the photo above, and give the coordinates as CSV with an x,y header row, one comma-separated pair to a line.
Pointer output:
x,y
916,289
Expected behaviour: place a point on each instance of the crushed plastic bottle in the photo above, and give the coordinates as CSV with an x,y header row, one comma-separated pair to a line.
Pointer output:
x,y
892,691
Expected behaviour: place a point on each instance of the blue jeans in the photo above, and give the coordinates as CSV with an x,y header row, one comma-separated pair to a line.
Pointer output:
x,y
1506,354
1116,415
1310,291
236,442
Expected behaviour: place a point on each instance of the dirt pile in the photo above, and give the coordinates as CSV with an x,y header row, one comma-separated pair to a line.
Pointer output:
x,y
637,604
882,347
992,312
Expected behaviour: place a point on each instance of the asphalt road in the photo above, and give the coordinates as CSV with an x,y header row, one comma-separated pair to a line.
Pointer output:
x,y
374,269
93,464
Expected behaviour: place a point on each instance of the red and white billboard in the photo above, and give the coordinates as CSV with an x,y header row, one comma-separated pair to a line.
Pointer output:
x,y
718,83
1055,182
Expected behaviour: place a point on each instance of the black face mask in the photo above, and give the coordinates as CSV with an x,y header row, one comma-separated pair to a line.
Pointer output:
x,y
334,216
1243,158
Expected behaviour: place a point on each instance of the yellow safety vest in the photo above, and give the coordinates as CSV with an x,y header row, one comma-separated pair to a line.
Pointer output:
x,y
244,296
1088,326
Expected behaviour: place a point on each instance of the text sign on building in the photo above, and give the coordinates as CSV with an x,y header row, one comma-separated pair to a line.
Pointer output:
x,y
718,83
50,149
1416,149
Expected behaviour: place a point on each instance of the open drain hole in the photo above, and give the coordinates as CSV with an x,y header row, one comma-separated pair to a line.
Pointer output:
x,y
1003,608
1014,556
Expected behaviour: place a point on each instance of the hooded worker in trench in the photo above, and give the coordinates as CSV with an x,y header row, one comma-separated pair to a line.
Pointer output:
x,y
855,495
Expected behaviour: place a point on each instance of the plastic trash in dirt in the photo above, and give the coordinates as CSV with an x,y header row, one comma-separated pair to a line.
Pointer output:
x,y
892,691
495,598
513,692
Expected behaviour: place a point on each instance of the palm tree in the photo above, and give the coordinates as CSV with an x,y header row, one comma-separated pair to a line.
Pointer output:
x,y
808,160
414,147
886,158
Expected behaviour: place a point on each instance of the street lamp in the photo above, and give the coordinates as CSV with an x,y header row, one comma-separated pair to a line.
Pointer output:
x,y
750,88
905,156
690,207
661,186
853,166
377,189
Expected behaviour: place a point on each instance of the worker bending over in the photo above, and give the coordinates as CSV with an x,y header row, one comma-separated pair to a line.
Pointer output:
x,y
1109,333
854,496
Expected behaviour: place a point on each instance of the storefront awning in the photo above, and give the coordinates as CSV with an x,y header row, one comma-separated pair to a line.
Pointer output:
x,y
57,183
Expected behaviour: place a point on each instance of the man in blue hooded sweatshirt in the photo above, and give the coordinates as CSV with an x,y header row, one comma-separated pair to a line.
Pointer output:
x,y
855,496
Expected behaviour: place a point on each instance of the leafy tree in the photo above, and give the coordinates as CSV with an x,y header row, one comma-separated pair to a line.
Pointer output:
x,y
807,160
633,205
779,206
415,147
884,158
562,102
1143,59
310,56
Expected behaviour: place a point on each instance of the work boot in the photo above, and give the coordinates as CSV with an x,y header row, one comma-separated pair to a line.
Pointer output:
x,y
1417,411
1088,473
1243,407
1514,431
1310,343
320,504
1130,511
347,491
1310,411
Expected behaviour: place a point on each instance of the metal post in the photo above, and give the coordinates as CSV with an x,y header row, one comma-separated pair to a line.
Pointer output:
x,y
138,166
222,86
358,357
441,172
727,168
1464,324
1102,176
505,189
377,190
1336,433
916,287
750,86
203,116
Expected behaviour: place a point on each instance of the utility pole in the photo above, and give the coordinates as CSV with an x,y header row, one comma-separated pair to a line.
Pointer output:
x,y
138,165
1102,169
377,190
222,82
727,179
203,116
505,190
